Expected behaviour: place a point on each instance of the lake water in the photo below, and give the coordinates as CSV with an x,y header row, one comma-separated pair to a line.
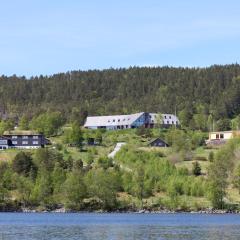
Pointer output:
x,y
73,226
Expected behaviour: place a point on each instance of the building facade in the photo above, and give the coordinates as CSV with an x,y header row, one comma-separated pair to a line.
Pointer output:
x,y
148,120
5,143
22,140
221,137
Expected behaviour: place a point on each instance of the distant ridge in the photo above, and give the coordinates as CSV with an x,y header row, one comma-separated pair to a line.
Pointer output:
x,y
214,89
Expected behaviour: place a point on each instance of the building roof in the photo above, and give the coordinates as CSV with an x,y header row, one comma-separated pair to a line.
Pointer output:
x,y
165,118
230,131
158,139
18,132
113,120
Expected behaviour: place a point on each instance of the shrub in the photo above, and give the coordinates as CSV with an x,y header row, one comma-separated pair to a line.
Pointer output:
x,y
22,163
211,156
196,169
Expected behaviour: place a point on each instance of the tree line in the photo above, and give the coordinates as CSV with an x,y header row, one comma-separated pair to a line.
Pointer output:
x,y
200,96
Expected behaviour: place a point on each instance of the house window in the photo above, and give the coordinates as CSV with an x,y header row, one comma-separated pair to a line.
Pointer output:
x,y
35,137
172,122
113,120
170,117
24,142
35,142
221,135
167,122
14,142
165,117
25,137
3,142
14,137
108,120
217,136
118,120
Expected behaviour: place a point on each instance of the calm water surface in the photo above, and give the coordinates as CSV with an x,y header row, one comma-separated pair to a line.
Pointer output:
x,y
72,226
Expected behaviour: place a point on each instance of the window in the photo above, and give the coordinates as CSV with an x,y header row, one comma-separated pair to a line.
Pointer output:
x,y
217,136
172,122
35,142
118,120
113,120
24,137
14,137
14,142
165,117
221,135
24,142
167,122
3,141
108,120
170,117
35,137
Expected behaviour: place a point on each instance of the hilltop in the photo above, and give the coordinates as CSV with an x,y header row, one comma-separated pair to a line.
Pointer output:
x,y
189,91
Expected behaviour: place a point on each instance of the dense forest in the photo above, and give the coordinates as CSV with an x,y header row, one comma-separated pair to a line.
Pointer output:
x,y
208,91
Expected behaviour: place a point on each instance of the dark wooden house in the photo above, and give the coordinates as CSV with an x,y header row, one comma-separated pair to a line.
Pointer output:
x,y
158,142
22,139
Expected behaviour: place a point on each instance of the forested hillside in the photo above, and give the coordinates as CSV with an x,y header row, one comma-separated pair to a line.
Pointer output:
x,y
214,90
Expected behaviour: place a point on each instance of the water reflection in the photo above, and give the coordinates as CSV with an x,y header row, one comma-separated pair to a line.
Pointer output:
x,y
118,226
119,232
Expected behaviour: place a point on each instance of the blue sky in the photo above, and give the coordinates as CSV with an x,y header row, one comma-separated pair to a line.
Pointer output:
x,y
51,36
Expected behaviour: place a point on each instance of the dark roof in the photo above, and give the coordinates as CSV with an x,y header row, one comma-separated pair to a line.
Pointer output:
x,y
158,139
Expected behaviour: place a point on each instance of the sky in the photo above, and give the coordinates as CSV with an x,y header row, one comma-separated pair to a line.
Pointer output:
x,y
51,36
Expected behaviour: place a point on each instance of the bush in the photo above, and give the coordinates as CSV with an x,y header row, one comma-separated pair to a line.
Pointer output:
x,y
196,169
211,156
22,163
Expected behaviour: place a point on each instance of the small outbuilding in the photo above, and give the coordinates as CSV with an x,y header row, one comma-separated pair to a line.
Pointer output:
x,y
221,137
158,142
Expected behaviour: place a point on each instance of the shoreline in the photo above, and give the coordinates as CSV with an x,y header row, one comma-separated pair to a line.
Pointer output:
x,y
207,212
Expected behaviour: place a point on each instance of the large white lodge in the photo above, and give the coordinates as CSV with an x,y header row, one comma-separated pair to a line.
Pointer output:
x,y
148,120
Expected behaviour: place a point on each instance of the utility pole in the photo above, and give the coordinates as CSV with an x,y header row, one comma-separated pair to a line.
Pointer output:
x,y
176,116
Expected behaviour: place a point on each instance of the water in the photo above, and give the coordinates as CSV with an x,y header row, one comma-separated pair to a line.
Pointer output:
x,y
73,226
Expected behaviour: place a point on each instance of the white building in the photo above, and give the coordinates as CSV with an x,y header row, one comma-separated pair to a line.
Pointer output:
x,y
148,120
221,137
